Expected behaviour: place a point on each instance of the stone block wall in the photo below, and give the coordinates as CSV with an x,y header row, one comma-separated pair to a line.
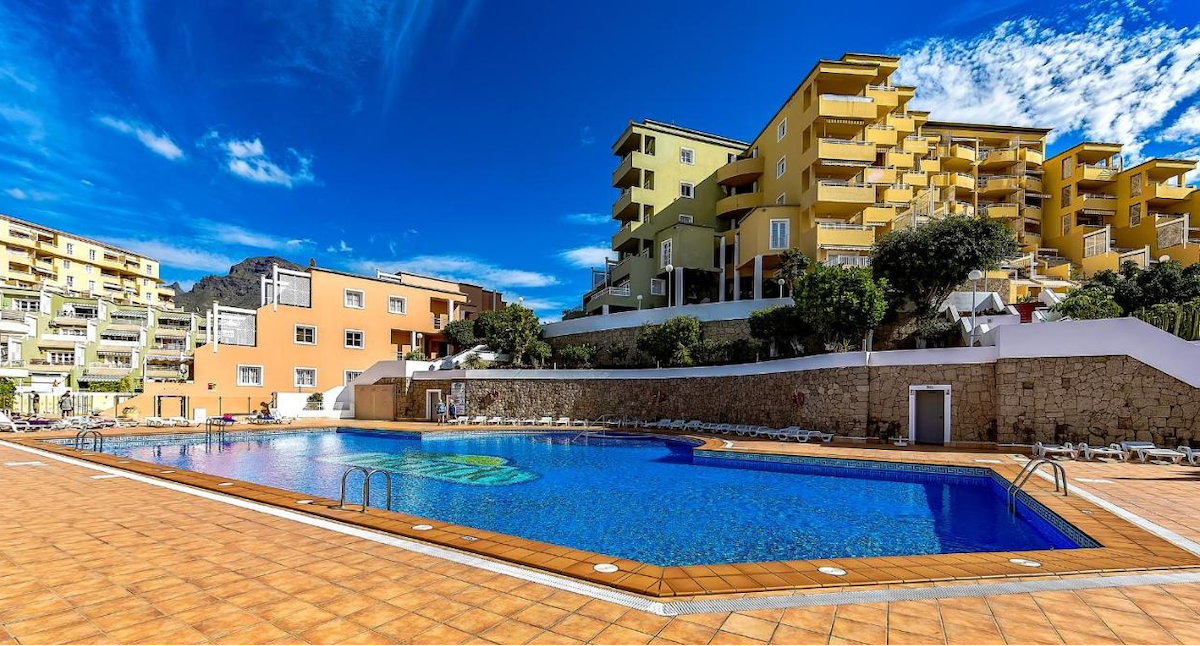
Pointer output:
x,y
972,398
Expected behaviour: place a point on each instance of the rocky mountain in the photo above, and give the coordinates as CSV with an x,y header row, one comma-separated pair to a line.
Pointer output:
x,y
238,288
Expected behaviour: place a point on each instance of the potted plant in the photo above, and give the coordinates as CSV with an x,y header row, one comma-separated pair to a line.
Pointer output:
x,y
1025,307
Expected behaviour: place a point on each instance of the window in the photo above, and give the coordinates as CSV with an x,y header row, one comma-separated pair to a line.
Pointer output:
x,y
781,167
781,129
87,269
351,375
686,219
70,248
779,234
66,264
664,254
1135,215
687,156
149,269
1066,222
1068,167
658,287
355,339
60,358
1135,185
70,281
306,334
91,254
397,305
782,199
91,285
355,299
304,377
1066,196
687,189
249,375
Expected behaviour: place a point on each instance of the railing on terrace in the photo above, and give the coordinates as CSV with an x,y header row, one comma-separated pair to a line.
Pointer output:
x,y
848,261
1096,196
1106,172
854,98
843,225
882,126
886,88
839,182
622,290
848,142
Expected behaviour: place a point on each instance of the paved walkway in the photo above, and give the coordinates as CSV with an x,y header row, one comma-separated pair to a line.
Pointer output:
x,y
86,560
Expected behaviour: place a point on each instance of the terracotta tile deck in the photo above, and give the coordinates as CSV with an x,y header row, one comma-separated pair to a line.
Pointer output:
x,y
112,560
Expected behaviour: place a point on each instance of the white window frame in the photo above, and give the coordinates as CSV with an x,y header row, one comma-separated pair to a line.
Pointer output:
x,y
687,156
686,219
787,234
658,287
91,254
66,264
664,253
346,299
781,167
70,281
403,304
262,374
296,377
70,248
346,378
346,340
296,334
782,199
691,190
781,130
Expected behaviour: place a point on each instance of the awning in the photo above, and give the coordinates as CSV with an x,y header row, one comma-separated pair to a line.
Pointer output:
x,y
113,349
166,332
92,377
115,327
48,343
151,356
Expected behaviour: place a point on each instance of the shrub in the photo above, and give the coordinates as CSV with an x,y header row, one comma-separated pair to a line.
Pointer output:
x,y
781,329
669,343
1092,301
473,362
8,392
460,333
841,303
577,355
414,355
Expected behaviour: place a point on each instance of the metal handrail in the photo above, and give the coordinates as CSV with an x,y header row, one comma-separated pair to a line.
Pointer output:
x,y
1027,472
97,440
366,487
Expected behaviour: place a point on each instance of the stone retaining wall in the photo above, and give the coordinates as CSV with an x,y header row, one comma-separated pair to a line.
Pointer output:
x,y
1098,400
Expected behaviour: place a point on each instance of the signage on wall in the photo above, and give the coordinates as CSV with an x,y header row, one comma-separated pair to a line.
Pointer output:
x,y
458,394
212,386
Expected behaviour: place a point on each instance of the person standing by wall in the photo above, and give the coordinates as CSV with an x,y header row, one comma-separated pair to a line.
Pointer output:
x,y
66,405
441,412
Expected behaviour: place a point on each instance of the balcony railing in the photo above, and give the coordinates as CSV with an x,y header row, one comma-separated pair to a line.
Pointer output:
x,y
848,261
622,290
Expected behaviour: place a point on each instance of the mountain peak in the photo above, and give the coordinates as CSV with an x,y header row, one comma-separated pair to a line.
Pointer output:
x,y
238,288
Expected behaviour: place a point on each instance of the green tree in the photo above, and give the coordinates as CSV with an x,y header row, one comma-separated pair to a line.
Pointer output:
x,y
670,343
516,331
8,393
841,303
460,333
1091,301
925,263
1134,288
576,355
792,266
486,324
781,329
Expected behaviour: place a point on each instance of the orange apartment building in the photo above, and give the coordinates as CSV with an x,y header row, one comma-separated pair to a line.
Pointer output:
x,y
314,332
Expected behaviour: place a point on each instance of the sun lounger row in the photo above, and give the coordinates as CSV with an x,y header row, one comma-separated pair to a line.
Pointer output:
x,y
1123,451
546,420
744,430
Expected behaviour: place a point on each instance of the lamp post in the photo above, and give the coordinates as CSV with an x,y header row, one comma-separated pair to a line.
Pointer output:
x,y
420,344
975,275
670,279
780,281
639,299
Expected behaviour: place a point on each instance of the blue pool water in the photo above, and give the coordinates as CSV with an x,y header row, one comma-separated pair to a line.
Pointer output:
x,y
645,499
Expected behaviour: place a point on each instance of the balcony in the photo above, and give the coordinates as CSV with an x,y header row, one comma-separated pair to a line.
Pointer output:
x,y
1031,156
899,193
931,165
629,171
740,172
902,121
847,260
882,135
915,178
1032,212
1094,173
839,192
1161,191
900,160
999,184
879,214
1001,210
884,95
842,106
833,234
629,205
916,144
1097,202
957,155
877,175
956,180
735,205
1000,157
1032,184
626,238
845,150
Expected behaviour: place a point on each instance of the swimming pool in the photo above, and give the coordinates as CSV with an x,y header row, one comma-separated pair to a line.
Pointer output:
x,y
649,499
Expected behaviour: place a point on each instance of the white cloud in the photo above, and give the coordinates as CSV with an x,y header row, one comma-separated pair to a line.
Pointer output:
x,y
591,219
158,143
587,256
341,247
536,304
1186,127
586,136
168,252
459,268
238,235
248,159
16,193
1104,78
299,242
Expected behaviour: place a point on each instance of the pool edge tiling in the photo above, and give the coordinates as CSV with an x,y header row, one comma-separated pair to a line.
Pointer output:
x,y
1124,547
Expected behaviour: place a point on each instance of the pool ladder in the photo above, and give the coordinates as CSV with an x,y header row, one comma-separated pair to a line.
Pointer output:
x,y
1027,471
217,431
83,436
366,487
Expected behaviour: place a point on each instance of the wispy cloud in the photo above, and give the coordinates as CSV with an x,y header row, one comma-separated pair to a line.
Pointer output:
x,y
586,136
590,219
587,256
158,143
1186,126
234,234
16,193
248,159
459,268
340,247
540,305
1112,76
169,252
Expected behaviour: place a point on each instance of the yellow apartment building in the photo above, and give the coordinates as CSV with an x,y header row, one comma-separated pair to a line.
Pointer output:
x,y
842,161
1102,214
314,332
36,256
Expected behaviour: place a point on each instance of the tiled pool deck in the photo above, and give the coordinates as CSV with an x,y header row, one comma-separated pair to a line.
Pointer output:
x,y
85,559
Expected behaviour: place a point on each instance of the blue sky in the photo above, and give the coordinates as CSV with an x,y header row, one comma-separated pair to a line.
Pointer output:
x,y
470,139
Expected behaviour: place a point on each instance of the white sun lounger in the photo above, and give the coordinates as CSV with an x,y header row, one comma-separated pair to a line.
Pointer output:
x,y
1089,453
562,421
789,433
158,422
180,421
7,423
496,421
459,420
1190,454
1051,451
693,425
480,419
544,420
579,422
662,423
817,435
1147,451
